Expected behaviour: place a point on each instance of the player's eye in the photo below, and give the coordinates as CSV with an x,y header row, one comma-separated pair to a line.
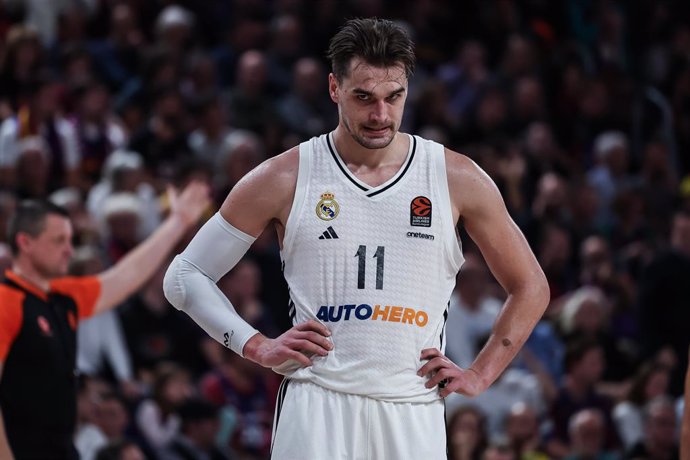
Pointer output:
x,y
394,97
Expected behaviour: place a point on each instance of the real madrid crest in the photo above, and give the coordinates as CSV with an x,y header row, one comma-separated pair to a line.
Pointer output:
x,y
327,208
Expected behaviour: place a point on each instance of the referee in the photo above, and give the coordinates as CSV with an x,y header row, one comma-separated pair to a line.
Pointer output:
x,y
40,308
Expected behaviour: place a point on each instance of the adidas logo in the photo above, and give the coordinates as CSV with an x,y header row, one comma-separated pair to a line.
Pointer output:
x,y
329,234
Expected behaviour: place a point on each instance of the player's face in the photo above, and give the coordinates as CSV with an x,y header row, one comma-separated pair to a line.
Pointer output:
x,y
370,102
50,252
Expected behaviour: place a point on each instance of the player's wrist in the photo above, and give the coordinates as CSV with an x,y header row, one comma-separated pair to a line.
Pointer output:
x,y
252,349
479,380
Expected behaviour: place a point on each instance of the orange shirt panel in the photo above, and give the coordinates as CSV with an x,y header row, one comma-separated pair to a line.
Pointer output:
x,y
11,301
85,290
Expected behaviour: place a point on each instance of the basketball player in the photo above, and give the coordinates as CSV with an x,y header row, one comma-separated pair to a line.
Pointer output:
x,y
366,216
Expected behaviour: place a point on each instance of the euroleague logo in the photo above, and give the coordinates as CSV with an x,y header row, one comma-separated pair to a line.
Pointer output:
x,y
420,212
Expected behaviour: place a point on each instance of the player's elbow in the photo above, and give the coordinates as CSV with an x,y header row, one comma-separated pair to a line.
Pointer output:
x,y
540,291
173,282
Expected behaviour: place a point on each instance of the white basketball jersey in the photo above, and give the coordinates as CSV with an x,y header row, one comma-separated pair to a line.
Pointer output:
x,y
376,265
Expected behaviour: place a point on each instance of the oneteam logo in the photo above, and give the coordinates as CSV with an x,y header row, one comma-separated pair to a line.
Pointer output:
x,y
423,236
364,312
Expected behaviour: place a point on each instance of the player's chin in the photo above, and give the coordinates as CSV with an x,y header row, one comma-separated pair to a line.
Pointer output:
x,y
377,139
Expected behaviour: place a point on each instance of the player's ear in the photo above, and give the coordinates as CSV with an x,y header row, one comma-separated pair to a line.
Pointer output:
x,y
333,87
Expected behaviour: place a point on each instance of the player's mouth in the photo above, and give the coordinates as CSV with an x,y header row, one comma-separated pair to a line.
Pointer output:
x,y
377,131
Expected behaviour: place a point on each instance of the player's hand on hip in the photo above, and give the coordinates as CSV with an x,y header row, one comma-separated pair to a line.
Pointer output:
x,y
298,344
448,376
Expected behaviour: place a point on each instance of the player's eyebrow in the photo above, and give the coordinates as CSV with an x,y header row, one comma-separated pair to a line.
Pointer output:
x,y
364,92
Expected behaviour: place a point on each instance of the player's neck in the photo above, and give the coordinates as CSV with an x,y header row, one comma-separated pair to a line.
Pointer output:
x,y
27,272
353,154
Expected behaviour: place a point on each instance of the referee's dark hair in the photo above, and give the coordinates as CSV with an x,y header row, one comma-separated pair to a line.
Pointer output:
x,y
30,218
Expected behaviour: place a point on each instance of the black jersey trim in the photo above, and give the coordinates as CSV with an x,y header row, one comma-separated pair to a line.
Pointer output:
x,y
342,168
358,184
397,179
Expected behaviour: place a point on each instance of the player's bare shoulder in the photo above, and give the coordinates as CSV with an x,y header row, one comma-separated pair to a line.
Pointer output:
x,y
469,186
264,194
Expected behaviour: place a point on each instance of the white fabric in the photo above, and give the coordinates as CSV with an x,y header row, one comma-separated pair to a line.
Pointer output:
x,y
190,282
158,432
315,423
380,324
100,338
628,420
88,440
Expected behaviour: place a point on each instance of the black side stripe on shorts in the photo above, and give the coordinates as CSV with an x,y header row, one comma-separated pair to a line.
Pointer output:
x,y
279,406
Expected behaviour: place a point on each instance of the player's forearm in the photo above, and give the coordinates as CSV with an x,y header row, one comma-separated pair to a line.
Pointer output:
x,y
517,319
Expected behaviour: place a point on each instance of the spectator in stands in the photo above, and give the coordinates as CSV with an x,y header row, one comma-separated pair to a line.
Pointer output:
x,y
498,451
586,313
124,171
112,417
98,130
242,151
209,141
41,118
155,332
467,436
248,392
663,300
116,55
584,366
197,437
609,176
122,450
285,47
660,436
306,109
522,430
88,437
156,417
587,432
250,106
22,58
651,381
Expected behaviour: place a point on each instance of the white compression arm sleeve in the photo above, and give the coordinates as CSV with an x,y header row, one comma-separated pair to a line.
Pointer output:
x,y
190,281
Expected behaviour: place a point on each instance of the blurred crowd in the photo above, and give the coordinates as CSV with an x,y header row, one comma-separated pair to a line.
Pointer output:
x,y
578,109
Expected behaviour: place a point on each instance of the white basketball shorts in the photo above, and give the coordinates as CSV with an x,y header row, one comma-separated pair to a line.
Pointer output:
x,y
313,423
